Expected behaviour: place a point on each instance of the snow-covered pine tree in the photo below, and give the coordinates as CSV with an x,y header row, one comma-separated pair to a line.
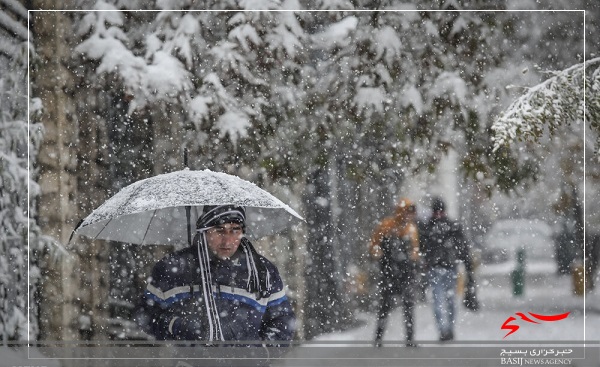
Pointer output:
x,y
21,241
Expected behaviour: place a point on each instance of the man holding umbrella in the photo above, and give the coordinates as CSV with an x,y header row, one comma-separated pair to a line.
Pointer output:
x,y
218,289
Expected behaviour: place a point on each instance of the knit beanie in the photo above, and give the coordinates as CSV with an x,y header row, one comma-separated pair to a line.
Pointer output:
x,y
214,215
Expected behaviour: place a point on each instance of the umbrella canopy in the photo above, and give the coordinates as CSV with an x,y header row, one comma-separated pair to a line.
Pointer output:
x,y
153,210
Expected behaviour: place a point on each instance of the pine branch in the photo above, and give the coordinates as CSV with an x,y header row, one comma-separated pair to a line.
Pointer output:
x,y
554,102
8,49
16,7
13,27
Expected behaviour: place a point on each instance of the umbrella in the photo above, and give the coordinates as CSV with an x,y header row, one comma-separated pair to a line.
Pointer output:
x,y
153,210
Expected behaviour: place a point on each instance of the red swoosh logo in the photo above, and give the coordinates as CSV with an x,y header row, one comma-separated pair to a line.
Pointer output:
x,y
507,326
550,317
513,328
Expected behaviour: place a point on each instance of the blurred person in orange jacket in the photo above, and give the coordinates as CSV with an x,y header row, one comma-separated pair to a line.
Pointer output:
x,y
395,244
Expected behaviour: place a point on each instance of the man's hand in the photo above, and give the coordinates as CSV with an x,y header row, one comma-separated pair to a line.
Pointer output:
x,y
187,328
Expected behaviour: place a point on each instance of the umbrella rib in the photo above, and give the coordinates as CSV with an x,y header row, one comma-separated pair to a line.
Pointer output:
x,y
148,227
110,220
103,228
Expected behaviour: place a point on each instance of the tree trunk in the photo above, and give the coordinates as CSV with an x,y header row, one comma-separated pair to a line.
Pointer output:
x,y
321,305
73,288
57,213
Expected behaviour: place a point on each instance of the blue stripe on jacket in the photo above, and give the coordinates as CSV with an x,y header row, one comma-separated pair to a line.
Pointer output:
x,y
230,296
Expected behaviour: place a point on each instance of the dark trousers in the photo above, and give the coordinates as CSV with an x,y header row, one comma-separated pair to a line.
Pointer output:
x,y
405,291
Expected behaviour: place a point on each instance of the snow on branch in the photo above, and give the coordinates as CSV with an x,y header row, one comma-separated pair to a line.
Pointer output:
x,y
8,49
159,75
16,7
556,101
337,34
12,26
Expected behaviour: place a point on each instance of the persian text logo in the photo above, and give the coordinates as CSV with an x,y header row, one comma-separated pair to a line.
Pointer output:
x,y
547,318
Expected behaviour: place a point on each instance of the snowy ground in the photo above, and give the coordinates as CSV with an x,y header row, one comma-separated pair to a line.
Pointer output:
x,y
549,295
479,337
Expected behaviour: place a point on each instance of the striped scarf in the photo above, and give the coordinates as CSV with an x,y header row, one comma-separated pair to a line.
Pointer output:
x,y
258,280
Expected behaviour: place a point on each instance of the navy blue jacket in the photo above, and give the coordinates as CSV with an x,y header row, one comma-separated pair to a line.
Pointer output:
x,y
443,244
172,307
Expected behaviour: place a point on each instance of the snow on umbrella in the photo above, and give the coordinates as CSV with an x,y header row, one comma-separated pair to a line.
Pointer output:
x,y
153,210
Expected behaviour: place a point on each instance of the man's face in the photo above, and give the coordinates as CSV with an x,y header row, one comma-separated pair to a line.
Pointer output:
x,y
224,239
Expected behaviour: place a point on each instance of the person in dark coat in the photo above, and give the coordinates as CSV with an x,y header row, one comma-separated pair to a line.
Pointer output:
x,y
395,243
444,245
219,289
